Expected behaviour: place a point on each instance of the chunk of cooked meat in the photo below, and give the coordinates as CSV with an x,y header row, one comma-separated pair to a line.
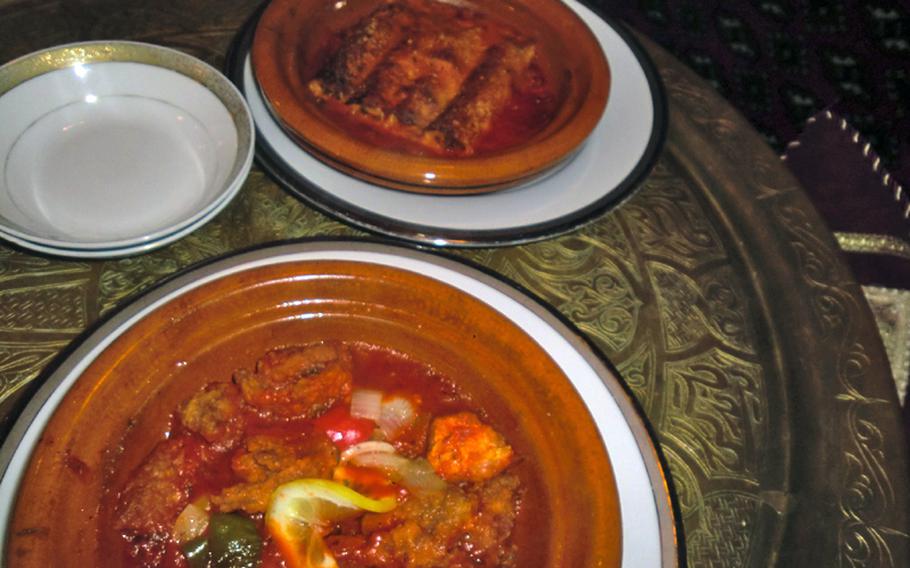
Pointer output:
x,y
462,448
160,488
363,48
215,414
422,76
432,73
265,462
297,381
458,527
485,94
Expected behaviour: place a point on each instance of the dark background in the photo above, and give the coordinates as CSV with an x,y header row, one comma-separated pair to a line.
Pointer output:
x,y
780,62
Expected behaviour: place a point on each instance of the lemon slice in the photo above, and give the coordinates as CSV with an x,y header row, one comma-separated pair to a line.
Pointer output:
x,y
300,510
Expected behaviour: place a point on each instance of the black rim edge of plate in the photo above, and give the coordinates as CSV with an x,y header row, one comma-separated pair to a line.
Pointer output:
x,y
350,214
40,389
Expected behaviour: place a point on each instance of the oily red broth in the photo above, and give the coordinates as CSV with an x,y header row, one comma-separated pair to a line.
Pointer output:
x,y
371,367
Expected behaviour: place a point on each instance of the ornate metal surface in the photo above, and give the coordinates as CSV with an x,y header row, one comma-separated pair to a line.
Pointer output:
x,y
715,289
891,308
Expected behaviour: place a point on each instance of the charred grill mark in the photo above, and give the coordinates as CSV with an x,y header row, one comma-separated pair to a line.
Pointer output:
x,y
414,85
485,92
392,80
364,48
446,53
428,73
444,78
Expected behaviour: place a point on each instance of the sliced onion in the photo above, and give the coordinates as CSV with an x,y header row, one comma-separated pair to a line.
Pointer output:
x,y
397,413
366,403
370,446
415,475
192,521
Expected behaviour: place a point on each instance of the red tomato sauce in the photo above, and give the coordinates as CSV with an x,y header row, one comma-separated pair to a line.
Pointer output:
x,y
462,82
392,373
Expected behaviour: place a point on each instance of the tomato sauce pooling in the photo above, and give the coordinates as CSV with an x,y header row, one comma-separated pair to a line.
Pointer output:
x,y
233,443
430,78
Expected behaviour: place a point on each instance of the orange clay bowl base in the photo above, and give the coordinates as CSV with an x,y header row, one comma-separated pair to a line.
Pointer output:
x,y
120,407
290,48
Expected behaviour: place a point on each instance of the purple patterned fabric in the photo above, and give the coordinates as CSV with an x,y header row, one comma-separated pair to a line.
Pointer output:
x,y
854,195
780,62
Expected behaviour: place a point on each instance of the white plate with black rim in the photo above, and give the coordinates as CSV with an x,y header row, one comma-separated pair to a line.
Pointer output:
x,y
613,161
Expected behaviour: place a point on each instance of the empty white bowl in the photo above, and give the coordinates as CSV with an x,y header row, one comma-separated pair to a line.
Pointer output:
x,y
116,147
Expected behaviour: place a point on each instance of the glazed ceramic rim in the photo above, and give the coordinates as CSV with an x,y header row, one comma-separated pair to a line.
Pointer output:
x,y
572,125
62,57
320,186
649,524
114,252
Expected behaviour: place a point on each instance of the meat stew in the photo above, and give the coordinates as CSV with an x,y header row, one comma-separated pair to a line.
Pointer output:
x,y
124,404
368,419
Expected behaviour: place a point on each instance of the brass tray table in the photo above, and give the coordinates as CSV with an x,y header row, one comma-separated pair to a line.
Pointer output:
x,y
715,289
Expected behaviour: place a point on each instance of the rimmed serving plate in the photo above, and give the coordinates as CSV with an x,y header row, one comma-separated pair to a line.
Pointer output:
x,y
116,146
289,48
647,521
616,157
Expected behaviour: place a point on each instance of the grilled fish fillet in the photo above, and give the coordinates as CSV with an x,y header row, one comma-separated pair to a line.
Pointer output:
x,y
443,62
364,47
486,92
428,72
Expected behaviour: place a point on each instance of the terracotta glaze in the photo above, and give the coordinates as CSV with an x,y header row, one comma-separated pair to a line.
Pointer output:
x,y
120,406
289,50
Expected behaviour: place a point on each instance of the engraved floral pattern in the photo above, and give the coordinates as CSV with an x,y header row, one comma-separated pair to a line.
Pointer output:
x,y
639,372
666,220
42,308
14,264
715,412
22,362
725,539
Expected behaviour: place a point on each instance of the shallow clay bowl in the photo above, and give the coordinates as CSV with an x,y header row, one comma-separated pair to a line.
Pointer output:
x,y
289,49
211,325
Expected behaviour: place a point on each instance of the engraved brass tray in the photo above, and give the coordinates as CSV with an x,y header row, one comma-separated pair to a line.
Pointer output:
x,y
715,289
